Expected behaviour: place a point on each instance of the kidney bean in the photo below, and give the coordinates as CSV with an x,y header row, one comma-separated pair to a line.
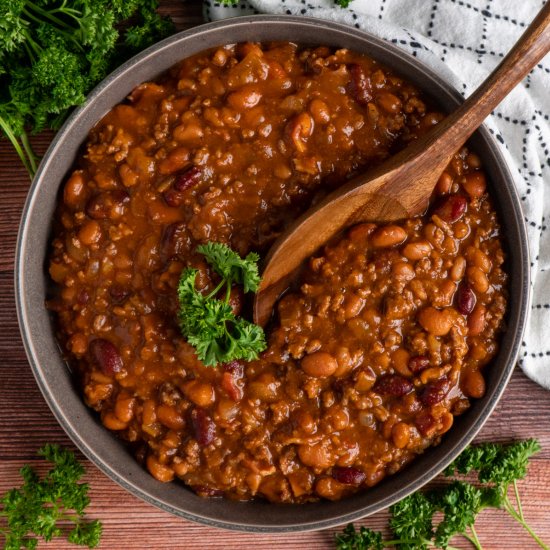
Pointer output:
x,y
107,204
118,293
83,297
418,363
234,367
348,475
188,178
393,384
435,391
106,356
465,299
451,208
425,423
230,386
173,198
360,86
175,240
203,426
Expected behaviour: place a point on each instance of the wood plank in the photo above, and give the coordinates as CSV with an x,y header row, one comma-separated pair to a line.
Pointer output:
x,y
26,423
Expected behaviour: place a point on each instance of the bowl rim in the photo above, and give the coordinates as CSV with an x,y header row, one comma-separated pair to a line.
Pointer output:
x,y
25,311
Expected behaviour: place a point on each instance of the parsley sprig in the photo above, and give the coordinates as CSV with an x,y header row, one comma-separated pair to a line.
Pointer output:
x,y
209,324
499,467
53,52
49,507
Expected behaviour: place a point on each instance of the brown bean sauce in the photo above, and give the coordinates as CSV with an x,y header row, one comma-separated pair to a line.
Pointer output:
x,y
381,343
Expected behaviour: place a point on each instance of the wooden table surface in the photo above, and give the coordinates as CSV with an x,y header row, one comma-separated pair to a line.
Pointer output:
x,y
26,422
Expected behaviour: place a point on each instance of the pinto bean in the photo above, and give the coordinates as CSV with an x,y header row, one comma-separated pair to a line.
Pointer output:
x,y
400,361
476,320
473,384
159,471
200,393
75,191
477,279
353,304
401,434
389,102
316,455
435,321
299,129
319,364
444,184
458,269
107,204
417,250
245,98
124,407
388,236
474,184
170,417
319,111
90,233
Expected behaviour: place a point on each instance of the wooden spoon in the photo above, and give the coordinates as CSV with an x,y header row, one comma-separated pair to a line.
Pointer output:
x,y
401,187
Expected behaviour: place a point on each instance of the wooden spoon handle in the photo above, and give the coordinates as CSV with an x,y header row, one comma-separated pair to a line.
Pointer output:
x,y
446,138
401,187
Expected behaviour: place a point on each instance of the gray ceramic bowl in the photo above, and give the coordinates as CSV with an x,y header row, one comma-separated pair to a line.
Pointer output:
x,y
54,378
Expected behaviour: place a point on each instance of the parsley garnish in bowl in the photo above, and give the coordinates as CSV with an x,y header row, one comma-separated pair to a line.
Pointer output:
x,y
209,324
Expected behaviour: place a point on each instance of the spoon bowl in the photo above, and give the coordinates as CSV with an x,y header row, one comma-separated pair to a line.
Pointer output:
x,y
401,187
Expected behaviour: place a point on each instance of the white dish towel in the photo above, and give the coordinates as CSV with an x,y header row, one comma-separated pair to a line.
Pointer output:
x,y
464,40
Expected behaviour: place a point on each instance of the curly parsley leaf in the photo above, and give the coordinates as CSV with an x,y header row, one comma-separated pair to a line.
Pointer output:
x,y
229,265
412,521
496,463
363,539
209,324
433,518
53,52
45,507
460,504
